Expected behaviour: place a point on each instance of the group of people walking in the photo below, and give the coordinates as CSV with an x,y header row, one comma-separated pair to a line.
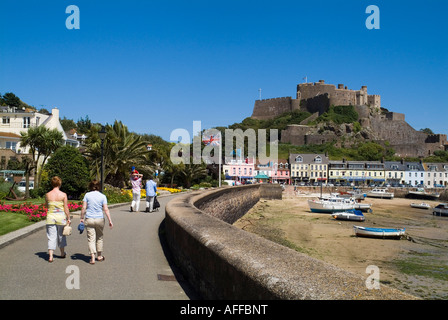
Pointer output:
x,y
151,192
92,217
93,210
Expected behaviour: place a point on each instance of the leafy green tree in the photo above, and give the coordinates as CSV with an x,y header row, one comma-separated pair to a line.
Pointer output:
x,y
427,131
371,151
68,164
11,99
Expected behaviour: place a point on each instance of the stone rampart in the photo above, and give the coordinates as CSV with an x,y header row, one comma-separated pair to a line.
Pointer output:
x,y
225,262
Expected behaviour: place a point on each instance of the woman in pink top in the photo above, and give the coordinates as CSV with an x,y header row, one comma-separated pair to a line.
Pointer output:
x,y
136,182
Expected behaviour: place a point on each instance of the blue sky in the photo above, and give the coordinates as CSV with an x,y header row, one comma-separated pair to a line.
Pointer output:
x,y
160,65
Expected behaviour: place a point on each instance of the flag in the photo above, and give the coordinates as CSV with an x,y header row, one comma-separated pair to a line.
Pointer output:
x,y
214,140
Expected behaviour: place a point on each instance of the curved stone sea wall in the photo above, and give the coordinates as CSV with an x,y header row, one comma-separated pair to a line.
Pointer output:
x,y
224,262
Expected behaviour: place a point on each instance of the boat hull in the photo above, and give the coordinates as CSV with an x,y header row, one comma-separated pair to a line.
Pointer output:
x,y
349,216
422,195
363,206
420,205
385,195
321,207
384,233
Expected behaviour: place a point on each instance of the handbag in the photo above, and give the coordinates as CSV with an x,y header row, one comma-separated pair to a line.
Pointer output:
x,y
67,230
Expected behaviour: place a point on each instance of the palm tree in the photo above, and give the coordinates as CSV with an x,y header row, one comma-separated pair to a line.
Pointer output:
x,y
192,172
41,142
122,150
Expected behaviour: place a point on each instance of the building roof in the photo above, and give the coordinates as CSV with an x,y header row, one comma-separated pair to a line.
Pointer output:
x,y
394,166
308,158
9,135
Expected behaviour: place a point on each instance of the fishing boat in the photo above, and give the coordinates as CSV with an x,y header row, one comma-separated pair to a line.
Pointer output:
x,y
331,204
421,193
441,210
380,193
353,215
420,205
363,206
379,232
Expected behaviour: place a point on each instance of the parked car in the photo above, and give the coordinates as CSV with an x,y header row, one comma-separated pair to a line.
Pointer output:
x,y
21,186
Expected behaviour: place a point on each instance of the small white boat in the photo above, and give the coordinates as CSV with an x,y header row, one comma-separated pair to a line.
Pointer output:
x,y
379,232
380,193
420,205
441,210
363,206
331,204
354,215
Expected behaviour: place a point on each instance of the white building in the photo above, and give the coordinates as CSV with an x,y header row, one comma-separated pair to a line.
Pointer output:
x,y
436,174
15,120
414,174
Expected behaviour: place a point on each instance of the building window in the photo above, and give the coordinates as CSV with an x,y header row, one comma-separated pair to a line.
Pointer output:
x,y
5,120
26,122
299,159
11,145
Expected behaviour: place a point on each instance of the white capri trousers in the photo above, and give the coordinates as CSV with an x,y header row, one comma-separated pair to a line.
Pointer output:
x,y
55,237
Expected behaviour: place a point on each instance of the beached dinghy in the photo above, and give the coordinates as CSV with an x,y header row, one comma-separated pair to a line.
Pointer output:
x,y
420,205
378,232
363,206
353,215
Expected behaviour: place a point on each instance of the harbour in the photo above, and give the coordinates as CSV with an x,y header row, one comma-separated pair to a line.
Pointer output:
x,y
416,262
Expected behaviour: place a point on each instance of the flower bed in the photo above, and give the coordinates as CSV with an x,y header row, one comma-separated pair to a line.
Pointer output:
x,y
35,212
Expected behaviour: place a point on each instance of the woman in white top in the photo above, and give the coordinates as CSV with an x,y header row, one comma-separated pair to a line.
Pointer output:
x,y
94,203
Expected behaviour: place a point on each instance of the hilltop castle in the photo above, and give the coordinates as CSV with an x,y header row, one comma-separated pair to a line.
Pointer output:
x,y
377,124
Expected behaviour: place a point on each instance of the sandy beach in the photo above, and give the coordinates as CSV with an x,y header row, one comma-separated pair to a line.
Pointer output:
x,y
416,264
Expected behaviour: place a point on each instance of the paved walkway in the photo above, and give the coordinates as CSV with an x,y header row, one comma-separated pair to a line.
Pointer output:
x,y
136,265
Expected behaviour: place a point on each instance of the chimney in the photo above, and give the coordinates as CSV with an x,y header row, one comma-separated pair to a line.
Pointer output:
x,y
55,112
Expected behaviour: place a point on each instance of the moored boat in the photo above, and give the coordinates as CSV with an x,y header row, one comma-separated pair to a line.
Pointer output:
x,y
380,193
363,206
353,215
378,232
331,204
440,210
421,193
420,205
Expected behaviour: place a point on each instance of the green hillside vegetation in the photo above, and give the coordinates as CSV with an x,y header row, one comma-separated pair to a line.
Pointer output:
x,y
338,115
280,122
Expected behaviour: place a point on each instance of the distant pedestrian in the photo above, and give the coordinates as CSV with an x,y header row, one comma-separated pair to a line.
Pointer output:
x,y
151,192
58,216
136,182
94,203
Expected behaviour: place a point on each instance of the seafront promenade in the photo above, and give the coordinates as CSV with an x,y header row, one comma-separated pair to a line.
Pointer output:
x,y
136,265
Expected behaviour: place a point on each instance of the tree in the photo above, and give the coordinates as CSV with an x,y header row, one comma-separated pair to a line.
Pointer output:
x,y
41,142
122,150
11,99
68,164
427,131
193,172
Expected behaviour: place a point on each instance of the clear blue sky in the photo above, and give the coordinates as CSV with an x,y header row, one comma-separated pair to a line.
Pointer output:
x,y
160,65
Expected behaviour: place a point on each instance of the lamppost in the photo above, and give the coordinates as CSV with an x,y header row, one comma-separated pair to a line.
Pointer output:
x,y
102,134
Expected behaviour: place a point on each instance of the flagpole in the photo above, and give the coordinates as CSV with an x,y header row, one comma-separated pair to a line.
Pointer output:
x,y
220,160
